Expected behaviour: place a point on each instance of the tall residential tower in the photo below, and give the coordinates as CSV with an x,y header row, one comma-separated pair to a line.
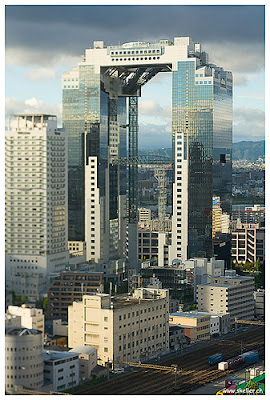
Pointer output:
x,y
36,199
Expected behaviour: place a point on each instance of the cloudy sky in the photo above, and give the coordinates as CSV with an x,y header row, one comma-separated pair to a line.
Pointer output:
x,y
44,41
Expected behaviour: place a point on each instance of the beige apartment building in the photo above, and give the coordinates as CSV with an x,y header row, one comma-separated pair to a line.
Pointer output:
x,y
196,325
122,328
231,294
248,243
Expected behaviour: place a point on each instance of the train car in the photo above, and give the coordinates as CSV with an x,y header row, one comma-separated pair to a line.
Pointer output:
x,y
215,358
223,365
248,353
233,380
235,361
251,358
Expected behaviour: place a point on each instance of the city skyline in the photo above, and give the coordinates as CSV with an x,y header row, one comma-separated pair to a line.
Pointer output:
x,y
235,41
134,199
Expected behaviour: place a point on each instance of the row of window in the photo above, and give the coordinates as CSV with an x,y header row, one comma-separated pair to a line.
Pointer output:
x,y
201,82
135,52
71,87
137,342
137,312
137,59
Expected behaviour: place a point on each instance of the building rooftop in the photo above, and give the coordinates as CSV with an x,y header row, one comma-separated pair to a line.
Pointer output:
x,y
189,314
119,302
57,355
19,331
215,284
81,272
83,349
174,327
33,115
235,277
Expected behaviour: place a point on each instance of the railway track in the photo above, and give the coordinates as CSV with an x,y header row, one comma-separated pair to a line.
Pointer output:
x,y
195,370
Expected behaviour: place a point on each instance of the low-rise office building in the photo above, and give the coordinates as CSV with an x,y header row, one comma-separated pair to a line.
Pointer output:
x,y
259,298
177,337
173,278
196,325
248,243
230,294
60,328
122,328
61,370
144,214
220,324
87,360
250,215
23,358
12,321
70,286
203,269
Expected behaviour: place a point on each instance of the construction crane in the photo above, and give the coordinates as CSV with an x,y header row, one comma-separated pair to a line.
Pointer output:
x,y
132,162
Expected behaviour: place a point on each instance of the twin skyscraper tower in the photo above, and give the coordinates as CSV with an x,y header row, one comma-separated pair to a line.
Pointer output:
x,y
92,164
100,116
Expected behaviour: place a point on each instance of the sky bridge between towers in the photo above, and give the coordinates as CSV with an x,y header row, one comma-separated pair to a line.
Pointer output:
x,y
100,113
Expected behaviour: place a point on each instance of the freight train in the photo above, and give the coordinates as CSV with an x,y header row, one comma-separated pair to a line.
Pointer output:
x,y
250,357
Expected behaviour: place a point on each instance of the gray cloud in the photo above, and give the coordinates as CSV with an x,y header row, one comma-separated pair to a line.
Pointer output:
x,y
232,33
33,105
150,108
249,124
153,136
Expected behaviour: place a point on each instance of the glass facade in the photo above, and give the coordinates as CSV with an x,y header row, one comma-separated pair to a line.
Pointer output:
x,y
202,112
93,122
94,115
222,139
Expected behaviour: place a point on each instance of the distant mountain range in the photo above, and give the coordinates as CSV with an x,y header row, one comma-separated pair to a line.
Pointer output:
x,y
249,151
245,150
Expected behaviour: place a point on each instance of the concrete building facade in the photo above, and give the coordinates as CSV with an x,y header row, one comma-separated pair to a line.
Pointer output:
x,y
61,370
250,215
177,337
60,328
144,214
87,360
259,299
248,243
23,358
31,317
70,286
35,200
230,294
196,325
122,328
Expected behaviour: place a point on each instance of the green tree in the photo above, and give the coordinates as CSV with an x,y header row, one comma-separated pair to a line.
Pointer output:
x,y
44,303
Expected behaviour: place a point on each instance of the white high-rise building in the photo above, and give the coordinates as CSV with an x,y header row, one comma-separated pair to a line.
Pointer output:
x,y
36,202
